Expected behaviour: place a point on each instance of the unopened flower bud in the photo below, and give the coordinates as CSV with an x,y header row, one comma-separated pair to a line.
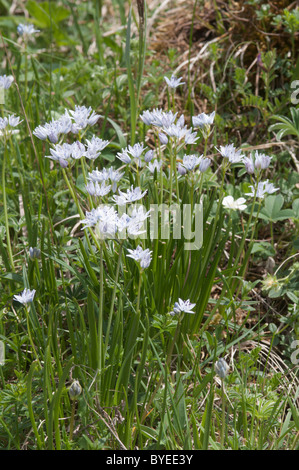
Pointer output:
x,y
75,390
221,368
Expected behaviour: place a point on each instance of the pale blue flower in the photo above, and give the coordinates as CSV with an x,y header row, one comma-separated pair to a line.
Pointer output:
x,y
132,195
203,120
173,82
155,165
182,306
231,153
26,30
26,297
263,188
6,81
94,147
143,257
94,189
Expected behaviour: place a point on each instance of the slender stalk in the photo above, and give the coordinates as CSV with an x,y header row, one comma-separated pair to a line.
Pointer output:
x,y
72,421
8,242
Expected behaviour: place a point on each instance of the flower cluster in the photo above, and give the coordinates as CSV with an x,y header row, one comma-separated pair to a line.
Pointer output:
x,y
7,125
135,154
263,188
71,121
256,163
64,153
169,126
100,176
108,224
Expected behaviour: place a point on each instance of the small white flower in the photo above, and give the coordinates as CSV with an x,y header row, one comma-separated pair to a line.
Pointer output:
x,y
94,189
6,81
27,30
132,195
143,257
26,297
182,306
155,165
173,82
203,120
231,153
264,187
230,203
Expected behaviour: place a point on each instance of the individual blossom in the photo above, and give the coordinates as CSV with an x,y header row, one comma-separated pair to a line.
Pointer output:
x,y
94,147
204,164
6,81
261,161
26,297
202,120
190,162
103,219
143,257
191,137
61,153
132,195
149,155
7,125
134,222
256,163
155,165
235,204
263,188
221,368
95,189
158,118
82,117
163,138
26,31
173,82
182,306
231,153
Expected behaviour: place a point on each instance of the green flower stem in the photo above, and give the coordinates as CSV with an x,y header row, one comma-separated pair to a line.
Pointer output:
x,y
72,421
223,425
113,297
100,319
30,336
9,249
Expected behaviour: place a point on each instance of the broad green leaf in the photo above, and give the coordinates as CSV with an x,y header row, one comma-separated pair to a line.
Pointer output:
x,y
272,209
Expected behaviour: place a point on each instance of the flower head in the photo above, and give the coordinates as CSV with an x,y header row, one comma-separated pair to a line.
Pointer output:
x,y
264,187
231,153
173,82
202,120
27,30
132,195
230,203
143,257
26,297
6,81
182,306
